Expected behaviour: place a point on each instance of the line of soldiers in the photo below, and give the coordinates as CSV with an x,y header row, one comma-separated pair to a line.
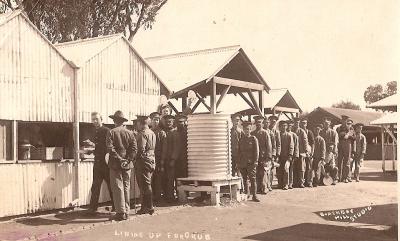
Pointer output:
x,y
302,158
157,148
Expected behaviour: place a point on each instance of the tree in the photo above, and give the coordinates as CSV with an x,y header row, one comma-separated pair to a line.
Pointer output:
x,y
346,105
376,92
66,20
391,88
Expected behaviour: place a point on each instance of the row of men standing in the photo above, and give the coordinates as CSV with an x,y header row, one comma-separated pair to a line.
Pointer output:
x,y
301,158
157,148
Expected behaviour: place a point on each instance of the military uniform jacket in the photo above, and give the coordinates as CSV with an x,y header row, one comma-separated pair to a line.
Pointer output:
x,y
171,152
276,139
319,148
342,131
161,137
287,145
311,140
295,144
236,135
146,142
331,138
100,149
249,152
302,141
182,144
264,144
121,144
360,145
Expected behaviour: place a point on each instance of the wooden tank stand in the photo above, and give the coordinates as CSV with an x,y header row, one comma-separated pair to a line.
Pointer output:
x,y
189,184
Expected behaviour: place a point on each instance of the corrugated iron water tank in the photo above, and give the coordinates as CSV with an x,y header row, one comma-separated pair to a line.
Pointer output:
x,y
209,146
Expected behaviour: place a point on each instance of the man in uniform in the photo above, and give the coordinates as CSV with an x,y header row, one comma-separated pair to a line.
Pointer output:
x,y
276,137
297,164
265,156
309,152
345,147
247,164
170,155
360,148
330,136
181,166
158,175
145,163
236,134
100,169
269,167
319,155
122,147
165,110
285,169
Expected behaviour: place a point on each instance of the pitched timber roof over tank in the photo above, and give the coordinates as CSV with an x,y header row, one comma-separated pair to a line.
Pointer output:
x,y
278,100
81,51
193,70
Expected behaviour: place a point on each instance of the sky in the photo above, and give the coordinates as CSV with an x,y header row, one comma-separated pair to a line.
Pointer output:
x,y
323,51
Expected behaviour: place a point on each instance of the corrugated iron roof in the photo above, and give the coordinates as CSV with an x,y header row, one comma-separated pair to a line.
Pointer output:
x,y
185,69
358,116
390,101
5,17
390,118
182,70
81,51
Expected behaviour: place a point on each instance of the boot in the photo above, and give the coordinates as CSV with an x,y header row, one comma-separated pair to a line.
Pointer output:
x,y
255,198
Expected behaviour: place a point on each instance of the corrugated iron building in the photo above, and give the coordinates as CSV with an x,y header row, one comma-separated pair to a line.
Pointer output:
x,y
37,88
112,76
35,79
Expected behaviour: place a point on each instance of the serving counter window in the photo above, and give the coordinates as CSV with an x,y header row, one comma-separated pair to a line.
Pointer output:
x,y
6,140
87,139
45,141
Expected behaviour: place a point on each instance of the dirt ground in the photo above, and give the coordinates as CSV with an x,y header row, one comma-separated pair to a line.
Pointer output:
x,y
354,211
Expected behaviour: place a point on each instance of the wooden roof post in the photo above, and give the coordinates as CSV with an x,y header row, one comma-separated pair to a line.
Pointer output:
x,y
14,126
75,127
184,103
261,101
383,148
213,96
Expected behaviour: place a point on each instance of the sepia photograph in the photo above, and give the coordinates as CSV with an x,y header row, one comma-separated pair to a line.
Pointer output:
x,y
223,120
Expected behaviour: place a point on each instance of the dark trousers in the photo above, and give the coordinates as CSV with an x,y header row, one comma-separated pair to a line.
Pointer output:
x,y
249,175
308,174
143,177
158,184
299,167
169,182
235,172
260,176
271,173
101,173
344,155
318,171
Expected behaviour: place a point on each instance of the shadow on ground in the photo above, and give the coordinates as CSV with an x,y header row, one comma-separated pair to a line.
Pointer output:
x,y
80,217
375,214
323,232
378,176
